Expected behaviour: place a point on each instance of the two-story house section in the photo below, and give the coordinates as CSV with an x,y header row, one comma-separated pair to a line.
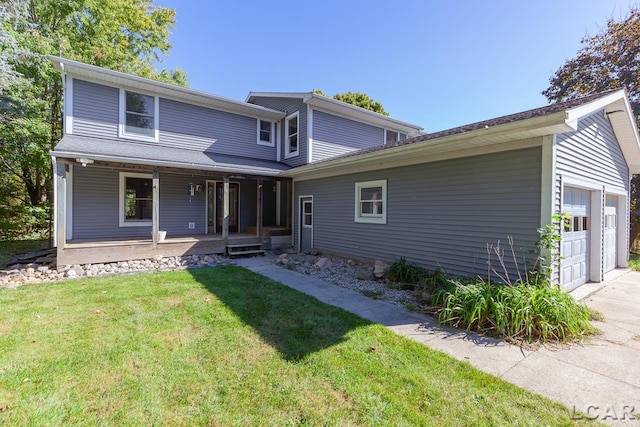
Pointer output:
x,y
318,128
146,168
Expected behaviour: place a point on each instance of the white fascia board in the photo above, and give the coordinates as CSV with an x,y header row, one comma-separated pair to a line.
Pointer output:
x,y
574,114
225,168
360,114
544,125
343,109
120,79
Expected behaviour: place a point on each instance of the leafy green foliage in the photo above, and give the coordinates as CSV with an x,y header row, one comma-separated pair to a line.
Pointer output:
x,y
124,35
608,60
634,262
530,313
358,99
361,100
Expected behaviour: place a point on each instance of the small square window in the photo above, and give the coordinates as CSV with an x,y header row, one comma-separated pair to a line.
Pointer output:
x,y
371,202
391,136
266,133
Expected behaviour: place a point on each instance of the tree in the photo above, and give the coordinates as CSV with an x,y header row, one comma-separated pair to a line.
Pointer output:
x,y
356,98
123,35
608,60
361,100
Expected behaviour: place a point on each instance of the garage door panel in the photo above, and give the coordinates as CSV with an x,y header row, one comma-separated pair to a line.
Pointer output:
x,y
576,239
610,233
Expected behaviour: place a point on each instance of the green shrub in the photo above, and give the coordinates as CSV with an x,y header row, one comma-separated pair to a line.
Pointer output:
x,y
530,313
402,271
634,262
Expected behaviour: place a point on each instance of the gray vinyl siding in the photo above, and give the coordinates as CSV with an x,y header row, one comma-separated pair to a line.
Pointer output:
x,y
290,106
592,153
198,128
96,204
333,136
95,109
439,215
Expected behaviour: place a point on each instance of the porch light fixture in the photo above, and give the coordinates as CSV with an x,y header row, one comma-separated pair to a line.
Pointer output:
x,y
84,161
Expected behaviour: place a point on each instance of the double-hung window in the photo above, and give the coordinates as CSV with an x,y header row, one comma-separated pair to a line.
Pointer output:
x,y
138,116
371,202
291,135
136,199
266,133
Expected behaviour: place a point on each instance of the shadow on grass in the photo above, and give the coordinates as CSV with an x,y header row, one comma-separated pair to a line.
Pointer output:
x,y
295,324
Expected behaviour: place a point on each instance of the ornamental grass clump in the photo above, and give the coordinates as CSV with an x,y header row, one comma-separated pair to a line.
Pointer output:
x,y
519,312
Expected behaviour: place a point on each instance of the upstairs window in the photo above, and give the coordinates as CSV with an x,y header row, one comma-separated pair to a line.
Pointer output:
x,y
390,136
266,133
138,116
371,202
291,136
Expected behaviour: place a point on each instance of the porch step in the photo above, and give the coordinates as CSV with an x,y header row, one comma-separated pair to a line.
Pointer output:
x,y
238,249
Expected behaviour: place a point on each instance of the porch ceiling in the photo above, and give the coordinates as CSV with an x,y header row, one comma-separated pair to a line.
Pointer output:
x,y
134,153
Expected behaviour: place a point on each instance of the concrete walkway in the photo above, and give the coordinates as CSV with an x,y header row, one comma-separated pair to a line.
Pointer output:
x,y
601,379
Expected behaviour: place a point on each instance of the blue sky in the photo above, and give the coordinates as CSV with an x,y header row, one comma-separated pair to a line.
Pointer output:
x,y
437,63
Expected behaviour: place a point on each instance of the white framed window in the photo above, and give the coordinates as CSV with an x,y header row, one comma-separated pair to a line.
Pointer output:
x,y
135,199
371,202
390,136
266,133
307,213
292,140
139,118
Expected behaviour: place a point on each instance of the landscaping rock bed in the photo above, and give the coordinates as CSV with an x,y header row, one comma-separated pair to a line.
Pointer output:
x,y
350,274
19,274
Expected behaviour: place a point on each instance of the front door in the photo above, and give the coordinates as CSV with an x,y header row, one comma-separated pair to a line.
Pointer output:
x,y
306,223
215,207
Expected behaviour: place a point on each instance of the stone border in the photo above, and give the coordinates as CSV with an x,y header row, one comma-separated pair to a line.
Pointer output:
x,y
34,273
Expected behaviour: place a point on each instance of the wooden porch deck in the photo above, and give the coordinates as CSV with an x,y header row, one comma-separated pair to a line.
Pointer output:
x,y
92,251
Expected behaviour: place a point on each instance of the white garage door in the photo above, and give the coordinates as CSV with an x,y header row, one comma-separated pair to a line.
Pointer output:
x,y
575,239
610,233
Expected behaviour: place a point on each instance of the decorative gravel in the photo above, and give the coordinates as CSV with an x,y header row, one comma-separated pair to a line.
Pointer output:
x,y
352,275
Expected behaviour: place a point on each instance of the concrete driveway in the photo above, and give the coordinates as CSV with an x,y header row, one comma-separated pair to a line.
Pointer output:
x,y
600,378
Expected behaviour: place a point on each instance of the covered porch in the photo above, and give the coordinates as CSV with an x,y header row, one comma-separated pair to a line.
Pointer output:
x,y
109,211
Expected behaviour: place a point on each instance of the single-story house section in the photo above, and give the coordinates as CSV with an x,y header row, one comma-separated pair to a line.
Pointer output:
x,y
441,199
149,169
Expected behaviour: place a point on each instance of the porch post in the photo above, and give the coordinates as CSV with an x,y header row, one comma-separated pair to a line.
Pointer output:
x,y
155,213
61,205
260,212
225,214
289,203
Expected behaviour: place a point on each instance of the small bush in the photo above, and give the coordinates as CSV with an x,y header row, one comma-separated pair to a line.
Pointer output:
x,y
402,271
634,262
530,313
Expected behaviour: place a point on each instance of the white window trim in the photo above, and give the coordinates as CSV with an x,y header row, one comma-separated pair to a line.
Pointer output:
x,y
371,218
122,185
391,130
287,154
271,135
156,119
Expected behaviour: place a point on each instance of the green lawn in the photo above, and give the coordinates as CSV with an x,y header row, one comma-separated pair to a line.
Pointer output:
x,y
224,346
11,248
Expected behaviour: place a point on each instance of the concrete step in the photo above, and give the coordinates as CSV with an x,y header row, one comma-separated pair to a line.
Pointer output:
x,y
247,252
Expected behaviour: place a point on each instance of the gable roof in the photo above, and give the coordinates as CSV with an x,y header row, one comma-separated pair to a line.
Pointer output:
x,y
343,109
463,140
129,81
